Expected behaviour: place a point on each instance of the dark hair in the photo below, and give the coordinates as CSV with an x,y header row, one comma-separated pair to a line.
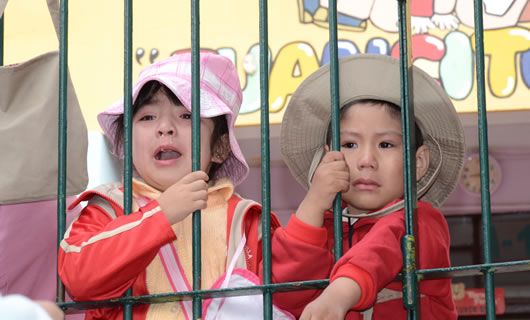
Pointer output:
x,y
394,109
145,96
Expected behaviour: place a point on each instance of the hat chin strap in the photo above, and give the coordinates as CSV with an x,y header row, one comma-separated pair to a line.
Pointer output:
x,y
401,204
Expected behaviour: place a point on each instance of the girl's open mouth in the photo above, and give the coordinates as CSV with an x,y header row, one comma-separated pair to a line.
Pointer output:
x,y
167,155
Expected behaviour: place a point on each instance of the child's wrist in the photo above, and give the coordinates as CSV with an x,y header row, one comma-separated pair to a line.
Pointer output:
x,y
345,292
309,213
318,201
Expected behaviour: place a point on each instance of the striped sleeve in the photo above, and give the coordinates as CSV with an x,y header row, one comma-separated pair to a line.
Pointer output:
x,y
101,257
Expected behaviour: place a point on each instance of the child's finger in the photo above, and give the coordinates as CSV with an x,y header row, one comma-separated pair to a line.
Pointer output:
x,y
197,185
200,195
194,176
333,156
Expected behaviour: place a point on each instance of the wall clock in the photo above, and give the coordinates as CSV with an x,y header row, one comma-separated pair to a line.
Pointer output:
x,y
470,178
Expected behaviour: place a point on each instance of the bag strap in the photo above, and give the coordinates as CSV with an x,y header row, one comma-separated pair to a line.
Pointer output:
x,y
175,274
383,296
239,223
53,9
174,271
232,204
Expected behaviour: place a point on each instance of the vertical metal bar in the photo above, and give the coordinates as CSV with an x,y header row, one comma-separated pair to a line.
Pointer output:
x,y
63,116
410,281
265,155
196,151
484,163
127,126
335,121
2,40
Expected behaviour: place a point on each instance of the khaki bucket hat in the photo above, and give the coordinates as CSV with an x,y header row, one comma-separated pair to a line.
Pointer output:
x,y
368,76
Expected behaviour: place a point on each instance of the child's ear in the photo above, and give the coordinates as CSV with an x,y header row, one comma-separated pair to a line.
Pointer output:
x,y
221,150
422,161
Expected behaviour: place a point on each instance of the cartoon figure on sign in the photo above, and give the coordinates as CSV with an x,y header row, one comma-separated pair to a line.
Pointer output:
x,y
497,14
353,15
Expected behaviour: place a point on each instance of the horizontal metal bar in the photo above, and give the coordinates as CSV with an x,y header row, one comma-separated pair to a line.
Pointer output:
x,y
426,274
188,295
473,270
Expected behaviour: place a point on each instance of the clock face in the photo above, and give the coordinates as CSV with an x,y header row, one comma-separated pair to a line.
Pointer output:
x,y
470,179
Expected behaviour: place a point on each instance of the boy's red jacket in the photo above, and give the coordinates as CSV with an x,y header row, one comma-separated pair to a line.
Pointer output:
x,y
302,252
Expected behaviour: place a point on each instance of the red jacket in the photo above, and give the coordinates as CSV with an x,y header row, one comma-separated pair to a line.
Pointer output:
x,y
302,252
102,256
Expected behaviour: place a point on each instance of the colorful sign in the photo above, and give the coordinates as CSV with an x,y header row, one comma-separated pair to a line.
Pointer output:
x,y
472,302
443,44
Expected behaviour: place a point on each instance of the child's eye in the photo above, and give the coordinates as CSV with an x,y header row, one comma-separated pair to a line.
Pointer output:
x,y
185,116
349,145
147,117
385,145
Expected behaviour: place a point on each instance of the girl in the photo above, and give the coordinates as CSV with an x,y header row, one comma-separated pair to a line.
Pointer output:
x,y
105,252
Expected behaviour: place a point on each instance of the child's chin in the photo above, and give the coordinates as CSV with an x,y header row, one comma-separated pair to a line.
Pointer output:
x,y
163,185
363,207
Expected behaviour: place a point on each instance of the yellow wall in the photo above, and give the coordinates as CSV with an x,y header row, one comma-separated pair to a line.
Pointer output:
x,y
296,39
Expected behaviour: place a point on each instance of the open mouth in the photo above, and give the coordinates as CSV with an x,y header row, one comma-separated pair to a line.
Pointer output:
x,y
167,155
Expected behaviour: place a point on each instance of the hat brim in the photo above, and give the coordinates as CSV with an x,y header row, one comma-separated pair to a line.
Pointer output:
x,y
307,117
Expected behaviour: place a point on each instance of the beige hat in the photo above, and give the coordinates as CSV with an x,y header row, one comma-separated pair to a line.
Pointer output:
x,y
368,76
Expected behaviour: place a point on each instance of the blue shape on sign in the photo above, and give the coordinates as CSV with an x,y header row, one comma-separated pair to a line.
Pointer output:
x,y
345,48
378,46
525,67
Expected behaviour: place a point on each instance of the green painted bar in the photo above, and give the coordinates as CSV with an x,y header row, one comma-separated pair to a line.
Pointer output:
x,y
409,278
127,122
188,295
265,155
2,40
426,274
474,270
484,163
335,120
63,117
127,128
196,149
410,283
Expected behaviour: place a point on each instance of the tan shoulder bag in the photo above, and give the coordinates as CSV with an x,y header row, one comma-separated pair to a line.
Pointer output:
x,y
29,108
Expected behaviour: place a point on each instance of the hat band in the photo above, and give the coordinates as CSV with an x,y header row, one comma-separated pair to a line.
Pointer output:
x,y
401,204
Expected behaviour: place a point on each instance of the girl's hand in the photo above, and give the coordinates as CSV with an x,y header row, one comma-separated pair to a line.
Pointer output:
x,y
331,176
185,196
334,302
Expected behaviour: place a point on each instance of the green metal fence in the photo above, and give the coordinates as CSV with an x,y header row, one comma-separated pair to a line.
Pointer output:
x,y
410,275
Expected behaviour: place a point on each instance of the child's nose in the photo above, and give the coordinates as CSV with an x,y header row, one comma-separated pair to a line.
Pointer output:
x,y
367,160
166,127
166,132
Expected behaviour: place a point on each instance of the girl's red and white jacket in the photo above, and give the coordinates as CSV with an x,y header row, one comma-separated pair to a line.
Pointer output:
x,y
303,252
105,252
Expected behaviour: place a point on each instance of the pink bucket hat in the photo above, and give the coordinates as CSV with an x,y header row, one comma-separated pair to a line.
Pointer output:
x,y
220,94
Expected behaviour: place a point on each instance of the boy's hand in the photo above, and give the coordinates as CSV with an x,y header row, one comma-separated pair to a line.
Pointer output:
x,y
334,302
185,196
331,176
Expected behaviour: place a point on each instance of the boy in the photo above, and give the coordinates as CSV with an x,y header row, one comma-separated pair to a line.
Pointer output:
x,y
369,172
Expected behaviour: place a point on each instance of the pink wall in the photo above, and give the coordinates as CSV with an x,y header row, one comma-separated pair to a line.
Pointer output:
x,y
513,194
